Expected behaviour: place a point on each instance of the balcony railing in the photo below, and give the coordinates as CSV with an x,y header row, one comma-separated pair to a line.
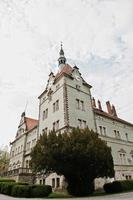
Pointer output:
x,y
18,171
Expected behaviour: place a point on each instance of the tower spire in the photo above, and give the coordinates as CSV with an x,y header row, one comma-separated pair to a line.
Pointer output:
x,y
61,59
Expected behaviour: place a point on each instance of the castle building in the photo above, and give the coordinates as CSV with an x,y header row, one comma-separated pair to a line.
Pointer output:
x,y
66,102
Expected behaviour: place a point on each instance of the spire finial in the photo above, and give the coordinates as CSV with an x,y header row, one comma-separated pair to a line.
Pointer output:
x,y
62,59
61,44
61,50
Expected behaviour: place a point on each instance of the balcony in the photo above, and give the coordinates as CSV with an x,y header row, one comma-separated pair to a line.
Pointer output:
x,y
19,171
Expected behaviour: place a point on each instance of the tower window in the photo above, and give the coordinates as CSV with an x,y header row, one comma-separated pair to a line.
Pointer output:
x,y
45,114
104,130
80,105
77,103
126,134
53,107
56,106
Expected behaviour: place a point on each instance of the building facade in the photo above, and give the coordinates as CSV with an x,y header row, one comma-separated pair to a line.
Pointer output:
x,y
66,102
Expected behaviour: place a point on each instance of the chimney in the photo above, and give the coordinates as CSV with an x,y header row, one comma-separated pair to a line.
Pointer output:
x,y
99,105
93,102
109,107
114,111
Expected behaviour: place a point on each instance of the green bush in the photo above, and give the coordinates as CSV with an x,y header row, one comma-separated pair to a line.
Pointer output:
x,y
113,187
7,180
21,191
6,188
22,183
118,186
40,190
126,185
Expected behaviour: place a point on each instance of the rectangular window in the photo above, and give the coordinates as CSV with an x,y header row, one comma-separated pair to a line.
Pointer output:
x,y
115,133
82,105
45,114
118,135
57,125
84,124
53,107
100,128
54,126
126,134
53,182
79,123
104,130
57,182
57,105
77,103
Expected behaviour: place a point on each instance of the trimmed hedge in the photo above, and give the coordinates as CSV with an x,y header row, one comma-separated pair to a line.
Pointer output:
x,y
118,186
113,187
21,191
127,185
40,190
22,183
7,180
24,189
6,188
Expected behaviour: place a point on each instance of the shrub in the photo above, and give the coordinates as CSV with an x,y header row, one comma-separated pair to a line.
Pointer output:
x,y
107,187
7,180
40,190
127,185
21,191
113,187
6,188
22,183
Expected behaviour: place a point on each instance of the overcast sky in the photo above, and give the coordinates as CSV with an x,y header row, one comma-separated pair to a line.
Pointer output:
x,y
97,36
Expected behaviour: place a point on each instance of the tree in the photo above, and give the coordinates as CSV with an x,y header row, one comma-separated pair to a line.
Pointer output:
x,y
80,155
4,160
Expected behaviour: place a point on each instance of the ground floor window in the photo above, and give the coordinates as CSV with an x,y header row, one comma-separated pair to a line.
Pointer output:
x,y
58,182
44,181
128,177
53,182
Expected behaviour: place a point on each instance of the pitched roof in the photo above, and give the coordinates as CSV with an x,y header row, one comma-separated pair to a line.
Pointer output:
x,y
107,115
67,69
30,123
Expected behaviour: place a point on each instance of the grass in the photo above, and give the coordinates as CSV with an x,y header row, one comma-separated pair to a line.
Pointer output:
x,y
59,195
66,195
